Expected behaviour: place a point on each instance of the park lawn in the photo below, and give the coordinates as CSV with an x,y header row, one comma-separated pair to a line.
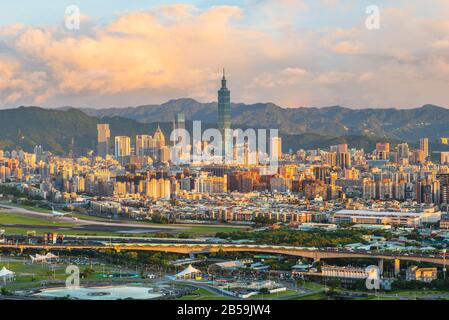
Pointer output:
x,y
274,295
311,285
29,275
311,296
21,286
418,294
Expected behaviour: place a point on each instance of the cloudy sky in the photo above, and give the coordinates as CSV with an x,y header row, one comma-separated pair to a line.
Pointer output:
x,y
295,53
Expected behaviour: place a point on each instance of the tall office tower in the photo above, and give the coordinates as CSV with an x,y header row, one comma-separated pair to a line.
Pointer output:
x,y
383,150
143,144
104,134
224,116
179,123
403,151
424,146
158,138
122,146
276,147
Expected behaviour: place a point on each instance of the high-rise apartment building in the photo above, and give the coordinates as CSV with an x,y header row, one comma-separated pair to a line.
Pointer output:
x,y
418,157
122,146
143,144
444,158
424,147
403,151
383,150
276,147
444,187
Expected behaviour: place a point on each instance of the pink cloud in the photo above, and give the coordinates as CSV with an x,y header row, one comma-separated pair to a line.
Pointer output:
x,y
179,50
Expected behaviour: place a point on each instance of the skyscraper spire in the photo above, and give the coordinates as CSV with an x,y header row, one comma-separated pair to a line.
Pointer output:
x,y
223,80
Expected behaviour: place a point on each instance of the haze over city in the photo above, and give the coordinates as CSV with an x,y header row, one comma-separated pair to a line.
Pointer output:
x,y
291,52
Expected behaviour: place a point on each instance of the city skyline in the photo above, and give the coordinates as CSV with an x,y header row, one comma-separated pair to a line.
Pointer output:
x,y
306,53
107,195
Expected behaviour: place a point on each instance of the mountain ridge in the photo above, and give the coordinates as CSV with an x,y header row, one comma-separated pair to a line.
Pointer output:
x,y
300,128
404,124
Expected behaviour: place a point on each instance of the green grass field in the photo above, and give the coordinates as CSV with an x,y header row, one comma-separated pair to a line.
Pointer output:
x,y
311,296
14,218
10,219
31,208
30,275
311,285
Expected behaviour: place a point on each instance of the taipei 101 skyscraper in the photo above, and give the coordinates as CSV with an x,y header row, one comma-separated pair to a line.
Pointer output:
x,y
224,115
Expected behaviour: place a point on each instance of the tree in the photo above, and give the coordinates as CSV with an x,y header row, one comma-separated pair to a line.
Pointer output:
x,y
132,255
87,272
262,221
333,284
264,291
5,292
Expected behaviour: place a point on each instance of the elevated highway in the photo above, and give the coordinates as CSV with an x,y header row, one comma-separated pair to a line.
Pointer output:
x,y
193,248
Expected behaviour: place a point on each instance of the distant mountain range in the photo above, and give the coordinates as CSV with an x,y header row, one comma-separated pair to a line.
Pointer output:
x,y
402,124
63,129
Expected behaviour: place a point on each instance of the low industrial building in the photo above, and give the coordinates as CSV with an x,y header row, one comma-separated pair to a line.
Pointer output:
x,y
386,217
344,272
421,274
230,265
